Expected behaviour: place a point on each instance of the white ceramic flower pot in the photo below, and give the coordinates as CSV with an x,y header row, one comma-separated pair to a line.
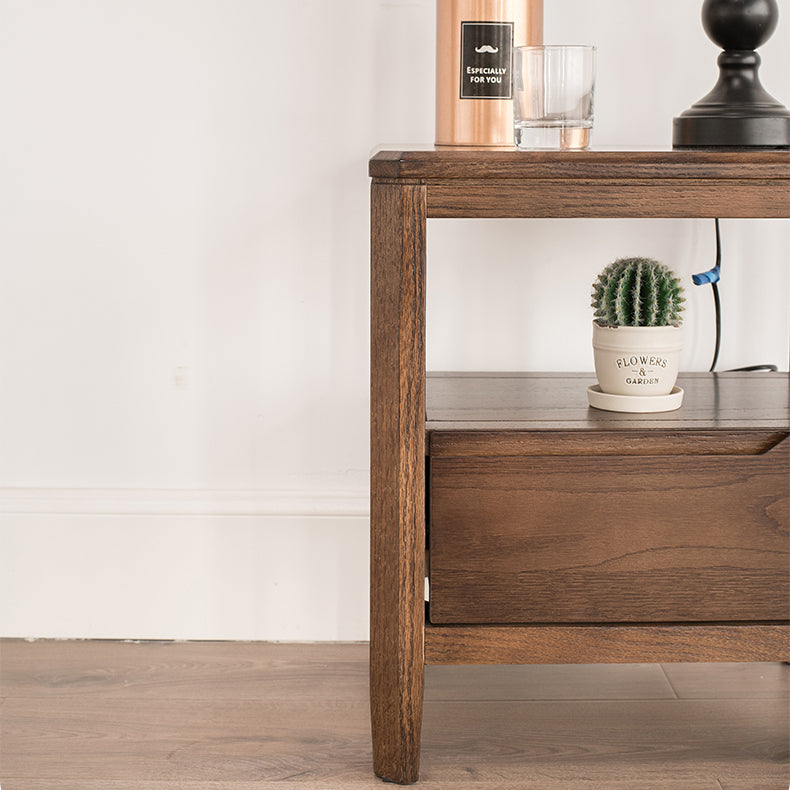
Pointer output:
x,y
637,360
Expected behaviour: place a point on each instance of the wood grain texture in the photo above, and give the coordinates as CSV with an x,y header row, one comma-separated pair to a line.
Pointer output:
x,y
610,539
477,442
186,740
446,163
606,198
182,723
433,783
183,670
571,644
508,683
507,183
397,476
532,740
729,681
472,403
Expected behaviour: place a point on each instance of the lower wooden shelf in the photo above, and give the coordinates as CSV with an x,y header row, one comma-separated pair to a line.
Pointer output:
x,y
545,514
485,408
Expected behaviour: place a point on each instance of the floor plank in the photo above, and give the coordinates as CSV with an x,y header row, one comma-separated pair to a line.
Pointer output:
x,y
374,784
279,741
534,682
727,681
233,716
183,670
197,740
635,740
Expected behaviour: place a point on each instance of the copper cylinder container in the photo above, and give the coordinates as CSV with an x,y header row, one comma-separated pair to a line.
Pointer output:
x,y
474,48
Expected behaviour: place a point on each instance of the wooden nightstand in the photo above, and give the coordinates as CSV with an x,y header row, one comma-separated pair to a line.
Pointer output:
x,y
520,479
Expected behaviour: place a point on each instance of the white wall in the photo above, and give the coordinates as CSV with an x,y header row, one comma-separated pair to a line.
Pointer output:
x,y
184,291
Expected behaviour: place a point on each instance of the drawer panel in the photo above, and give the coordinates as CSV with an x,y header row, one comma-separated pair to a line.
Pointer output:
x,y
610,538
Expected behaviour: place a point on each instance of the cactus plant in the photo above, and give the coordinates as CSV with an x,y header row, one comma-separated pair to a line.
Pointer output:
x,y
637,292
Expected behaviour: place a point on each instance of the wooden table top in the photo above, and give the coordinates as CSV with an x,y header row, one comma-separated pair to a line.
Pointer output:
x,y
509,163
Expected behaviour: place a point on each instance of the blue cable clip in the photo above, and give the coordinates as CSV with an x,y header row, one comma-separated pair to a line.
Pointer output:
x,y
711,276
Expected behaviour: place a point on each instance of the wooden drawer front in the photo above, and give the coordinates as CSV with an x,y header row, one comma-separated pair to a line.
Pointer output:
x,y
609,539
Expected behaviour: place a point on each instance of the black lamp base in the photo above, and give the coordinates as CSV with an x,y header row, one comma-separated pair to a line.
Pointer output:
x,y
722,131
738,112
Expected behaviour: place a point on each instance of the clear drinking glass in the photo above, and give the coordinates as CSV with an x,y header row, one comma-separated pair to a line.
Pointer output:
x,y
553,96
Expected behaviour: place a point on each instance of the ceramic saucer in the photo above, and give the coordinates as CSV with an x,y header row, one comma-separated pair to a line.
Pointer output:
x,y
634,403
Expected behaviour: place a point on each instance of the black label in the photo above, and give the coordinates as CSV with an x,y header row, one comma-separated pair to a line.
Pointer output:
x,y
486,60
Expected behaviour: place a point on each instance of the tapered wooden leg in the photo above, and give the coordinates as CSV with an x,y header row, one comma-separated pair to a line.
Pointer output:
x,y
397,512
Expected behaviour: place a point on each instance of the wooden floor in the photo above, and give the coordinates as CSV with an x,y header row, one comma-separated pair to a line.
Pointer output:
x,y
247,716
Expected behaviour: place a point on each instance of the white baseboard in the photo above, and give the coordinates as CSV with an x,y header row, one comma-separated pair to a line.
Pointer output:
x,y
183,502
175,575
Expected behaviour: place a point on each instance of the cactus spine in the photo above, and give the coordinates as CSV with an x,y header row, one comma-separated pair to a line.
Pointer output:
x,y
637,292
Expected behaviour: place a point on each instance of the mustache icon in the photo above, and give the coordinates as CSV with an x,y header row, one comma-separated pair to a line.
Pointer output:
x,y
487,48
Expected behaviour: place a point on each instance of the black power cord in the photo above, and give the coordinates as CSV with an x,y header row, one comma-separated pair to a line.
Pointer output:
x,y
712,277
